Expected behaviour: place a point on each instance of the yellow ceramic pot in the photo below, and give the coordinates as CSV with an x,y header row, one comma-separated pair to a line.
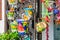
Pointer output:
x,y
41,26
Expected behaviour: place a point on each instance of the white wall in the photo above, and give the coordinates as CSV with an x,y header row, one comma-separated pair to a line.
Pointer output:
x,y
3,20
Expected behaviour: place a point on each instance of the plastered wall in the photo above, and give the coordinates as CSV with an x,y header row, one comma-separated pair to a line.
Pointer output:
x,y
2,22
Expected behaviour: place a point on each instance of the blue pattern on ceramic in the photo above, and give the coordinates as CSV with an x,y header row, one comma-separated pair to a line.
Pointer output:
x,y
24,27
26,10
21,33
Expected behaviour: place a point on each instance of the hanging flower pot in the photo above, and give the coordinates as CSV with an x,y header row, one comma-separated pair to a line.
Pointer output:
x,y
13,26
21,30
22,27
41,26
28,11
10,15
11,1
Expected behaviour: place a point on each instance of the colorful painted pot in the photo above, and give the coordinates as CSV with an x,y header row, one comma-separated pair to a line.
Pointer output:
x,y
28,11
21,21
41,26
10,15
21,29
11,1
13,26
23,25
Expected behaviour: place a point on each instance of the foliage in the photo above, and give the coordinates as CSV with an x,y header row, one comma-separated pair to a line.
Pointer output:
x,y
9,36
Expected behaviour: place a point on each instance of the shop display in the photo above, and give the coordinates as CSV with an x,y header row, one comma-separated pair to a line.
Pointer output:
x,y
19,13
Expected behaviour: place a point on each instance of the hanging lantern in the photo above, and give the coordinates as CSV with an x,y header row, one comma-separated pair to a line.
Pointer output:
x,y
55,11
41,26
